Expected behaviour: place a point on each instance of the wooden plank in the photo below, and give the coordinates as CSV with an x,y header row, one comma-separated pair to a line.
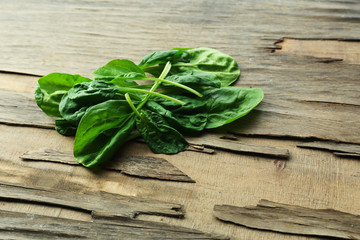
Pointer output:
x,y
97,203
264,123
21,109
325,49
140,166
218,142
332,146
88,38
293,219
16,225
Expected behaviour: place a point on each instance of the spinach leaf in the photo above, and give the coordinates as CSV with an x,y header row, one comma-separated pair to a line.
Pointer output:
x,y
52,87
102,131
225,105
81,96
117,68
181,120
195,79
64,127
208,60
158,135
160,58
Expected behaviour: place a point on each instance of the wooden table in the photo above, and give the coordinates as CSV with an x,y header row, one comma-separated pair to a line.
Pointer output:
x,y
305,55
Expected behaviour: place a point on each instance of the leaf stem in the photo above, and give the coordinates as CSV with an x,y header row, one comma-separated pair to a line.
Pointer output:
x,y
174,84
149,93
163,75
128,99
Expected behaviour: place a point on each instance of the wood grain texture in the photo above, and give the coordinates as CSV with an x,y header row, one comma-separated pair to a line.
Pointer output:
x,y
312,47
302,93
21,109
218,142
309,178
97,203
140,166
286,218
15,225
92,33
332,146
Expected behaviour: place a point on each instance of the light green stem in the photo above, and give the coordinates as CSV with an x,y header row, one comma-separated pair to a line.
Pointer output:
x,y
149,93
163,75
128,99
174,84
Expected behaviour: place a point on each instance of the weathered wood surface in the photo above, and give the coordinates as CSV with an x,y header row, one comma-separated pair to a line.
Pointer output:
x,y
314,179
313,47
216,141
14,225
332,146
286,218
305,96
41,47
21,109
302,119
140,166
97,203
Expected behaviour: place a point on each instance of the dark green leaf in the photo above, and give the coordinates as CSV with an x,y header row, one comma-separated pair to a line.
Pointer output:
x,y
160,57
195,79
79,98
181,120
225,105
159,136
102,131
210,61
51,88
65,127
117,68
188,118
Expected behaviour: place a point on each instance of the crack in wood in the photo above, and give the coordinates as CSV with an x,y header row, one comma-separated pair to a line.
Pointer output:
x,y
338,148
219,141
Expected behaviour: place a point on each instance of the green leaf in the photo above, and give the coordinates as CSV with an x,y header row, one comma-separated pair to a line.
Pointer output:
x,y
160,58
117,68
195,79
64,127
79,98
183,121
208,60
102,131
225,105
51,88
159,136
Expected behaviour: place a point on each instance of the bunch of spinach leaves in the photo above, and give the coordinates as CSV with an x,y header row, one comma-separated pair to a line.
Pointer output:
x,y
190,91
